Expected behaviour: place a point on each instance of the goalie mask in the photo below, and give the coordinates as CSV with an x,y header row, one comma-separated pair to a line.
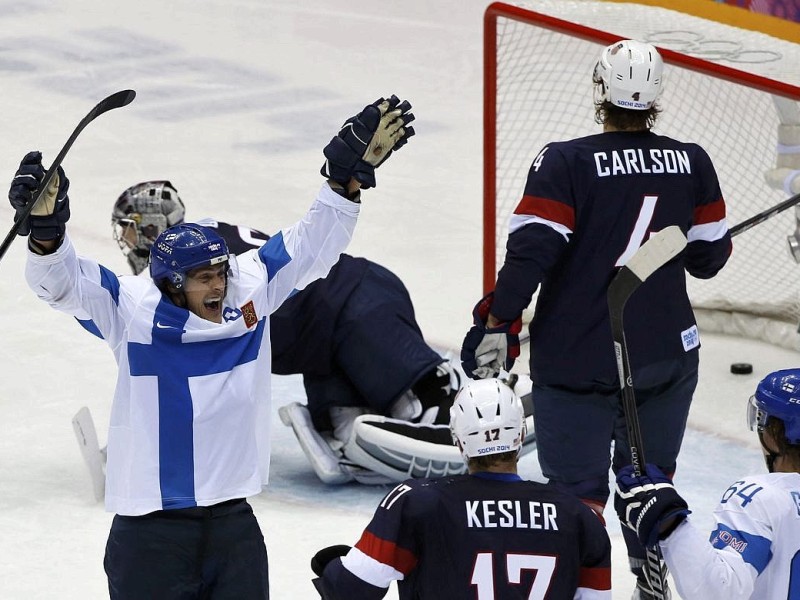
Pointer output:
x,y
139,216
629,75
182,248
487,418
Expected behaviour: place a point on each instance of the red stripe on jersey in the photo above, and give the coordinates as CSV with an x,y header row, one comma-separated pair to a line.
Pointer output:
x,y
558,212
596,578
709,213
387,553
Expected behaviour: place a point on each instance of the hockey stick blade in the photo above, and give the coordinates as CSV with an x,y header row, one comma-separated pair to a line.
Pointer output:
x,y
764,215
662,247
116,100
85,433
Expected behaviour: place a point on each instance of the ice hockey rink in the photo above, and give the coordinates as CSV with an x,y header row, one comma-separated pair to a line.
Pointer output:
x,y
235,101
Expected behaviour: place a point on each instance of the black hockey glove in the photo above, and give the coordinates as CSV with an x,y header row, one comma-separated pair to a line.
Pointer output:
x,y
647,503
488,350
326,555
365,141
47,219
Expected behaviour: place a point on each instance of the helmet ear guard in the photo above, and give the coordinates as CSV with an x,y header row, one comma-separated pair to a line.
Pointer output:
x,y
629,74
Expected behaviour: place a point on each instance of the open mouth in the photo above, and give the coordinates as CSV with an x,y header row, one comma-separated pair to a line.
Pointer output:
x,y
213,304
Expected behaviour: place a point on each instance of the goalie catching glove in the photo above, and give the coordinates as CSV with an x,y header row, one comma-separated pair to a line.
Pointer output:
x,y
649,504
488,350
48,217
365,141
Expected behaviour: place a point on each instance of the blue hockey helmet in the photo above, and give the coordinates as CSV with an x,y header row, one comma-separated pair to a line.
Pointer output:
x,y
184,247
777,395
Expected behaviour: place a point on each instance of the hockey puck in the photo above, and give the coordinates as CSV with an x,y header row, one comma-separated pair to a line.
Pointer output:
x,y
741,368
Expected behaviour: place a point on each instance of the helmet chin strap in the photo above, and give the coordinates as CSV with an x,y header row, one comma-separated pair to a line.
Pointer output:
x,y
771,456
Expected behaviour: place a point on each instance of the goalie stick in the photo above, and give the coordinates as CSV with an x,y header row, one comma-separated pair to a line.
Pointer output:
x,y
116,100
662,247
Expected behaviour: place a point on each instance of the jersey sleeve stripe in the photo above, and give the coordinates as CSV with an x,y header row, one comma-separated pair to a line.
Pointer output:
x,y
90,326
387,552
708,232
519,221
708,213
595,579
274,255
548,210
755,549
110,282
370,570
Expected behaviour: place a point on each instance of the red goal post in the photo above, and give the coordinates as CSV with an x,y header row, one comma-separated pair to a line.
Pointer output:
x,y
538,89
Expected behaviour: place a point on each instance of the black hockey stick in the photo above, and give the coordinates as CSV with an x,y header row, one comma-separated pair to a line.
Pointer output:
x,y
116,100
662,247
764,215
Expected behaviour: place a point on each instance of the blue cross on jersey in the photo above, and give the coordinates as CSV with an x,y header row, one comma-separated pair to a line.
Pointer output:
x,y
174,362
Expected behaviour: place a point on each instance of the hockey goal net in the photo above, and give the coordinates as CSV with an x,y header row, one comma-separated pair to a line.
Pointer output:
x,y
538,89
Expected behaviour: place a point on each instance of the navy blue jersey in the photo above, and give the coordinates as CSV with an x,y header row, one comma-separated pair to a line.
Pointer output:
x,y
484,536
352,335
588,205
302,328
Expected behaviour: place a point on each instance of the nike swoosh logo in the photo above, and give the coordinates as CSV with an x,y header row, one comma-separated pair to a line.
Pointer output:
x,y
160,326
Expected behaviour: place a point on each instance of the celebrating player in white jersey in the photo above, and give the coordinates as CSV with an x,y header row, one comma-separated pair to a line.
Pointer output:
x,y
189,434
754,551
392,390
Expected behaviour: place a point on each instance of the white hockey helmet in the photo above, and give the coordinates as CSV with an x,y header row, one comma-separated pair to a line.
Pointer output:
x,y
629,74
487,418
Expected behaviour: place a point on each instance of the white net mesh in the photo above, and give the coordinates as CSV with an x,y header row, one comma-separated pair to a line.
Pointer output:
x,y
544,93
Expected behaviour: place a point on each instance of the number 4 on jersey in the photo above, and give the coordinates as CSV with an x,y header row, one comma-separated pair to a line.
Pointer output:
x,y
639,229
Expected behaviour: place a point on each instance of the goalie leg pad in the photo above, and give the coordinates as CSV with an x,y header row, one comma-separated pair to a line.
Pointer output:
x,y
323,459
400,450
529,443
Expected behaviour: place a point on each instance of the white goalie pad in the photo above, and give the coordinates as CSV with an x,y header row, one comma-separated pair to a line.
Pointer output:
x,y
323,458
523,390
400,450
786,174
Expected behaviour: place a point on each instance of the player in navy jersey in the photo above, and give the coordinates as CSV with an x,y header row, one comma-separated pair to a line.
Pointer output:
x,y
326,332
189,434
487,535
588,205
754,550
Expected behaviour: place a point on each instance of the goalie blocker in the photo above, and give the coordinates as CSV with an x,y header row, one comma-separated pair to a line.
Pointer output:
x,y
384,450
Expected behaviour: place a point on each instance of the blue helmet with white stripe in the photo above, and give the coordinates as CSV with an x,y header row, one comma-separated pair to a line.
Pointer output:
x,y
184,247
777,395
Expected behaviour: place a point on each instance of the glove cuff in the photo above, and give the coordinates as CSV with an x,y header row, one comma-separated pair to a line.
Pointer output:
x,y
340,189
37,248
679,517
46,228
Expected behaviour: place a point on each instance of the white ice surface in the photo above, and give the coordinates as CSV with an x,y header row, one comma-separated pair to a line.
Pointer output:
x,y
235,101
